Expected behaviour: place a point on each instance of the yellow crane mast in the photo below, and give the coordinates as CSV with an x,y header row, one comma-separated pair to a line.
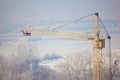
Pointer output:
x,y
97,43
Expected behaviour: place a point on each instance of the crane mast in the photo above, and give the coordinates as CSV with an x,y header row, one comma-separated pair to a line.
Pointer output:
x,y
97,43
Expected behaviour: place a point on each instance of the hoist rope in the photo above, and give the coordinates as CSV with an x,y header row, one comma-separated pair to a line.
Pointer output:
x,y
104,28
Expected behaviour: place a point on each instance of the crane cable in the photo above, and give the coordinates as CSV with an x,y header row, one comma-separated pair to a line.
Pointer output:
x,y
109,42
71,22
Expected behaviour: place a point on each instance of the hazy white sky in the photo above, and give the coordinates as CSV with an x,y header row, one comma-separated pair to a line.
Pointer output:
x,y
15,14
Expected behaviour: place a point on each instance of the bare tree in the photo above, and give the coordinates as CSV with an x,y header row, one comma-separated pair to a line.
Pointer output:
x,y
74,66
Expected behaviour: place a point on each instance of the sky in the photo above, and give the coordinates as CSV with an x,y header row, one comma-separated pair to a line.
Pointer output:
x,y
15,14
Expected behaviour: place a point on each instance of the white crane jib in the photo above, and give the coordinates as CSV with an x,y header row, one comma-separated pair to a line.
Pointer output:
x,y
58,33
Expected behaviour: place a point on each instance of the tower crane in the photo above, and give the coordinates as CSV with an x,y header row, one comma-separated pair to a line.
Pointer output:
x,y
98,43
